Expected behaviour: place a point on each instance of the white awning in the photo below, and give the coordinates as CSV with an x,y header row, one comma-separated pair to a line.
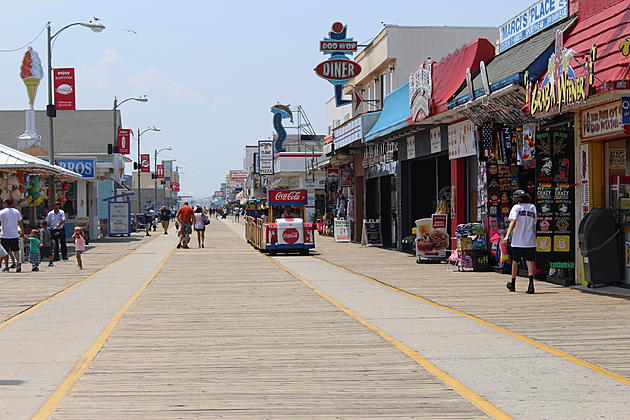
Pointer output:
x,y
16,160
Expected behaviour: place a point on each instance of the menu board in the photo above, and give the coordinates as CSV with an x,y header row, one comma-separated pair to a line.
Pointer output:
x,y
119,217
371,233
342,230
555,228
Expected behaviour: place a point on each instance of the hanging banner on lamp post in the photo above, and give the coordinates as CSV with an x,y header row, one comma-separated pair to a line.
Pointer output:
x,y
145,163
123,137
63,80
159,171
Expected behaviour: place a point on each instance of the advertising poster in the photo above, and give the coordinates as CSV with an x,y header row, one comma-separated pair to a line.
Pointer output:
x,y
432,238
63,80
145,163
345,178
371,235
119,217
555,232
342,230
123,136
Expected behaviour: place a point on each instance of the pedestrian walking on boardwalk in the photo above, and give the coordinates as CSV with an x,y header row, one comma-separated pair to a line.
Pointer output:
x,y
200,226
34,255
56,220
186,217
165,218
237,214
12,230
79,246
523,244
46,243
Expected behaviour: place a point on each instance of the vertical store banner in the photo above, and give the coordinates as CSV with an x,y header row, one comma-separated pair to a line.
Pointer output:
x,y
159,171
145,163
175,186
122,140
63,80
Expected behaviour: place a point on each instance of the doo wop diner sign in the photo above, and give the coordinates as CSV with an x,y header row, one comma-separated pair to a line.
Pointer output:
x,y
530,21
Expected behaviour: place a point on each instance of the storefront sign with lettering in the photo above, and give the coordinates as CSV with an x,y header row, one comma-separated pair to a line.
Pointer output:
x,y
605,119
560,85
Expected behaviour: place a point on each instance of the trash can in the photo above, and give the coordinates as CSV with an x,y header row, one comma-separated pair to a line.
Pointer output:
x,y
598,238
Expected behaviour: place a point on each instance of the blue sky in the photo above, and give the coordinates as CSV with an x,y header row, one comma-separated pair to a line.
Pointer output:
x,y
211,69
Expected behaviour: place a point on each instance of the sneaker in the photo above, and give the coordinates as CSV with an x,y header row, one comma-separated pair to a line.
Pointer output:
x,y
186,247
5,270
50,264
179,246
166,233
65,258
35,269
203,246
79,268
530,289
18,269
12,266
510,286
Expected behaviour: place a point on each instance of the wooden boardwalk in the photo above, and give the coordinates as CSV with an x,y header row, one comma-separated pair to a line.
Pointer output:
x,y
223,332
20,291
595,328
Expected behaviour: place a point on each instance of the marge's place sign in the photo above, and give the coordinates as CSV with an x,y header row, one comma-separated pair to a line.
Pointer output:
x,y
605,119
530,21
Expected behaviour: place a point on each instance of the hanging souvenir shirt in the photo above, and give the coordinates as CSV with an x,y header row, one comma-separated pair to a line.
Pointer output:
x,y
526,144
506,145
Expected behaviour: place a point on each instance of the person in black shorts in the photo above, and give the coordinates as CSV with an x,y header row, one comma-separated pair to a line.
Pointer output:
x,y
523,243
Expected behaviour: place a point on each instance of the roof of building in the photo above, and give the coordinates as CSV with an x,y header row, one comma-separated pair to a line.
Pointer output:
x,y
14,159
81,131
394,115
509,66
607,29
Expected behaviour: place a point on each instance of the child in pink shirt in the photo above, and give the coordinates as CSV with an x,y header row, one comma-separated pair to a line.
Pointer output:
x,y
79,245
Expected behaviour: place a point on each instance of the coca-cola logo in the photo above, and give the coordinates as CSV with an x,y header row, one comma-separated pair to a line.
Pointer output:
x,y
290,235
295,195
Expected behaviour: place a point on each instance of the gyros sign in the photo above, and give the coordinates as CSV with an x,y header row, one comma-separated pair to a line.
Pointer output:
x,y
288,196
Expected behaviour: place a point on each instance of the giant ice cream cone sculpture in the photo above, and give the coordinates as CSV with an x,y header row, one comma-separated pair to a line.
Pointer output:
x,y
31,73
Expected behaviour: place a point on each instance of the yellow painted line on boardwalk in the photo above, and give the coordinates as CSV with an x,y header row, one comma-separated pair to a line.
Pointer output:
x,y
549,349
66,290
62,390
476,399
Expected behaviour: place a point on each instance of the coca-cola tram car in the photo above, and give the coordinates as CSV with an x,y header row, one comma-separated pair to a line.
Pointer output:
x,y
278,225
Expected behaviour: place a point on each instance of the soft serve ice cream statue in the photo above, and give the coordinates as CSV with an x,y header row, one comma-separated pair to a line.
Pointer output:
x,y
31,73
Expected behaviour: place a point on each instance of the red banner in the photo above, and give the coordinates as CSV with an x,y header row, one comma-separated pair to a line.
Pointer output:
x,y
159,171
123,140
175,186
64,89
145,163
287,197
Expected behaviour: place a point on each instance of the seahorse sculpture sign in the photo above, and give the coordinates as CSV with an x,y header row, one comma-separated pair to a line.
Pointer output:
x,y
338,69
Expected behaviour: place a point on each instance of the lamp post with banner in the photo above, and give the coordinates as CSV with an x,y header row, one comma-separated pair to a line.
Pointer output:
x,y
157,152
96,26
140,133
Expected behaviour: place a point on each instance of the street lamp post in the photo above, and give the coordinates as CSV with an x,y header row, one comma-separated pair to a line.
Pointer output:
x,y
140,167
157,152
116,106
95,26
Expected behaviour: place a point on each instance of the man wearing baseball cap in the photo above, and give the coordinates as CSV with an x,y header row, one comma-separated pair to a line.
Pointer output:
x,y
523,230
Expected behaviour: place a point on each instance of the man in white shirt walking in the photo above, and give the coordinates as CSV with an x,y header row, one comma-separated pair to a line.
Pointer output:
x,y
56,219
523,229
12,230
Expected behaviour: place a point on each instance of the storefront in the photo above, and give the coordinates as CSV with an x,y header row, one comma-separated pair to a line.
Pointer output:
x,y
346,181
381,167
25,180
601,124
514,149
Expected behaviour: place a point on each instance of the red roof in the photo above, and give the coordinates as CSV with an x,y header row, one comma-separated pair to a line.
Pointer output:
x,y
449,74
606,29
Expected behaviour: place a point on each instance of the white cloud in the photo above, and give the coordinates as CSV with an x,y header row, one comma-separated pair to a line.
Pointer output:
x,y
97,74
152,80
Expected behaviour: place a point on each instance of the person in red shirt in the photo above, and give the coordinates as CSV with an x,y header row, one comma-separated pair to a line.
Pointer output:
x,y
186,217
